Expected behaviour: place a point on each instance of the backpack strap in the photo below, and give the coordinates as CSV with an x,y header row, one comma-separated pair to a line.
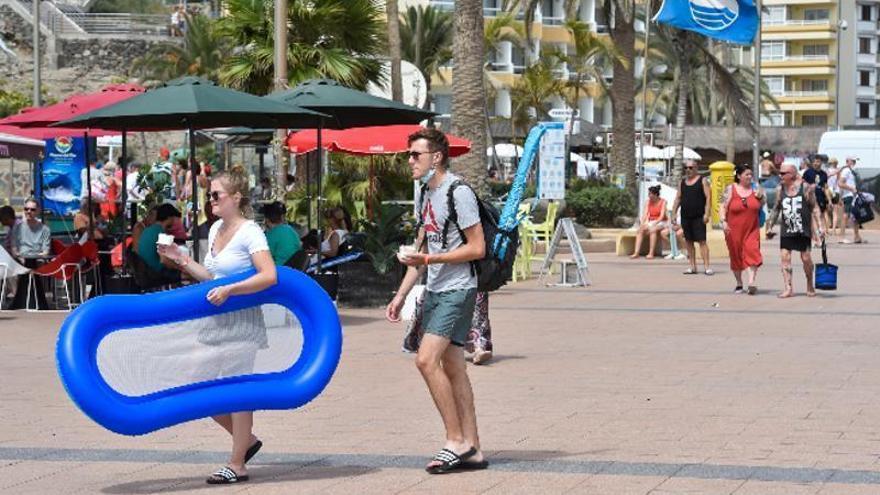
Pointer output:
x,y
452,216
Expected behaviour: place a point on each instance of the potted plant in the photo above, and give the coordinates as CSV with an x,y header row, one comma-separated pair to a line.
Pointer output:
x,y
372,280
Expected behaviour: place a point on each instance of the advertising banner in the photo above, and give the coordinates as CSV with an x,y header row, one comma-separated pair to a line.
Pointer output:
x,y
551,165
61,178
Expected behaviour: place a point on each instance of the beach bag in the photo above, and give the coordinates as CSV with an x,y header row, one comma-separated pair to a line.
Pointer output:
x,y
826,273
861,209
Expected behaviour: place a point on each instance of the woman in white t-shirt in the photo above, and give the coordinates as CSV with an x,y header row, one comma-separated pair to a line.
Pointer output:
x,y
231,340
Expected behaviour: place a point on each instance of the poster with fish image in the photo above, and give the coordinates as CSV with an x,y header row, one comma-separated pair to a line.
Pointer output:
x,y
62,166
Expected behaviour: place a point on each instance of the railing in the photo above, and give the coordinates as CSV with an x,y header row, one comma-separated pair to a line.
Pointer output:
x,y
765,57
63,19
144,24
802,94
553,21
796,22
449,6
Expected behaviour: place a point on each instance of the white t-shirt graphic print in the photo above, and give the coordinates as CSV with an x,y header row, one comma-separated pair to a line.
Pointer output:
x,y
434,210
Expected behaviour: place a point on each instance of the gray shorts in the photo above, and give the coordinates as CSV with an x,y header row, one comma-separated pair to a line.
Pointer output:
x,y
449,314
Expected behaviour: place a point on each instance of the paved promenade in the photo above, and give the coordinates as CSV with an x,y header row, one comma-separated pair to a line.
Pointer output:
x,y
648,382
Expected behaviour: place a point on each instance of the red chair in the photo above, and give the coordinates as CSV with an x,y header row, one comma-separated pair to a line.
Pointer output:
x,y
91,264
63,267
57,247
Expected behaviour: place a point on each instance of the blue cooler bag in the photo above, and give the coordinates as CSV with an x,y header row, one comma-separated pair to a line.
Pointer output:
x,y
826,273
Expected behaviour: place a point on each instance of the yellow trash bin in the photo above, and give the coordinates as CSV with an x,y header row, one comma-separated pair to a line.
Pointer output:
x,y
720,176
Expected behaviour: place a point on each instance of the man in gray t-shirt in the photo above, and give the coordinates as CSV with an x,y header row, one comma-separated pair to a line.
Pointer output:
x,y
449,299
434,213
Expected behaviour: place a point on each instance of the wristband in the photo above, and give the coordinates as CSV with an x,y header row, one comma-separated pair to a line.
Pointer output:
x,y
426,259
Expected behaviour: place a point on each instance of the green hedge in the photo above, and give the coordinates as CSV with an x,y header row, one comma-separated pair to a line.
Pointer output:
x,y
599,206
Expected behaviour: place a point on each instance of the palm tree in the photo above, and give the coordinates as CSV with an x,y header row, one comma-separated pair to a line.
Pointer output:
x,y
393,17
201,54
469,98
336,39
426,41
592,56
622,15
694,84
537,86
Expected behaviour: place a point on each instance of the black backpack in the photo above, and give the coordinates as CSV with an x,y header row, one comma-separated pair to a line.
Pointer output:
x,y
492,270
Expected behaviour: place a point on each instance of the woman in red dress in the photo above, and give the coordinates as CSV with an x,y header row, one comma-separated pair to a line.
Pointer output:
x,y
653,222
740,213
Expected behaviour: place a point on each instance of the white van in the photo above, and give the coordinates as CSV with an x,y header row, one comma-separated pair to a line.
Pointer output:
x,y
865,145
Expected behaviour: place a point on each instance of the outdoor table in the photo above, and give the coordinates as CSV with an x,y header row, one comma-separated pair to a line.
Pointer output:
x,y
31,261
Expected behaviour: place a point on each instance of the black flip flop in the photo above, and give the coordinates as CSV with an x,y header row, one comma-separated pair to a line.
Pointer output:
x,y
450,461
225,476
252,451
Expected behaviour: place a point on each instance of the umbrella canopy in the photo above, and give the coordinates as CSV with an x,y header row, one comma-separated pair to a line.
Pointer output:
x,y
505,150
650,153
195,103
689,154
52,132
376,140
349,107
73,106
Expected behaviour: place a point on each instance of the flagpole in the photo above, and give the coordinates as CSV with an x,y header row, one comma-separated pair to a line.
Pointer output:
x,y
756,140
640,160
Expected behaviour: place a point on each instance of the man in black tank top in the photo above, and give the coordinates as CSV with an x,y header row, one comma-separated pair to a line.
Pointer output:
x,y
693,197
796,204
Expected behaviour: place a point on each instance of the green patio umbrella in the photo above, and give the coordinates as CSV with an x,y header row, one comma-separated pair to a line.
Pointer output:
x,y
193,103
348,108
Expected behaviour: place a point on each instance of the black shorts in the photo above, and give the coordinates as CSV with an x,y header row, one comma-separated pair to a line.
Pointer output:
x,y
796,243
694,229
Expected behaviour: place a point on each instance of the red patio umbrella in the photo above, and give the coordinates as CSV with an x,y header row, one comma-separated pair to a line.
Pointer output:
x,y
306,141
378,140
73,106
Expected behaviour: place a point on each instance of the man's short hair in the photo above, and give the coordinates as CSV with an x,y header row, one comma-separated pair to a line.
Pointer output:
x,y
274,211
7,212
32,201
166,211
437,141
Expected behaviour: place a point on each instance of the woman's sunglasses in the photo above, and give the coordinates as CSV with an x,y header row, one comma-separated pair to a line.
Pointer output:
x,y
215,195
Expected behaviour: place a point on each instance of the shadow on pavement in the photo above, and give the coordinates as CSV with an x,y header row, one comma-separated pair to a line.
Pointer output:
x,y
259,475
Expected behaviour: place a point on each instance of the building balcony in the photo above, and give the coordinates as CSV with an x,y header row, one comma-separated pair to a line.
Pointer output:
x,y
811,23
866,91
791,61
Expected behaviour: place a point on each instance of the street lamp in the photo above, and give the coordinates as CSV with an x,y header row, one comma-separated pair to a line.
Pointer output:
x,y
841,26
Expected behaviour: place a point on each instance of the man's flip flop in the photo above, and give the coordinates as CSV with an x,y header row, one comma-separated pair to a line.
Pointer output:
x,y
450,461
225,476
252,451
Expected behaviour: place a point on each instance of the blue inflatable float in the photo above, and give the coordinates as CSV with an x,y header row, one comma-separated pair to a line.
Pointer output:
x,y
87,325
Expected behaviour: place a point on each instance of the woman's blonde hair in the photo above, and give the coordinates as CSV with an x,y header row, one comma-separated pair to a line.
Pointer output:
x,y
235,180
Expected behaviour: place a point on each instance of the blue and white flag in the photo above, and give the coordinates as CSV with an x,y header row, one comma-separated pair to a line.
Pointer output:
x,y
735,21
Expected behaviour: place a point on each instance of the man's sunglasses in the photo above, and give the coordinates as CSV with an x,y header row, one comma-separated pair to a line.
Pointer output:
x,y
30,209
416,154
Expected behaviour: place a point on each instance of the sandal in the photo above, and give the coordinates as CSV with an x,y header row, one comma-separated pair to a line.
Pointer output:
x,y
225,476
690,271
252,451
450,461
753,289
738,289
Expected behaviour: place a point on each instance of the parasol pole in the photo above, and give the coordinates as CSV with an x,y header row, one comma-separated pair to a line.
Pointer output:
x,y
124,168
195,193
91,231
320,194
